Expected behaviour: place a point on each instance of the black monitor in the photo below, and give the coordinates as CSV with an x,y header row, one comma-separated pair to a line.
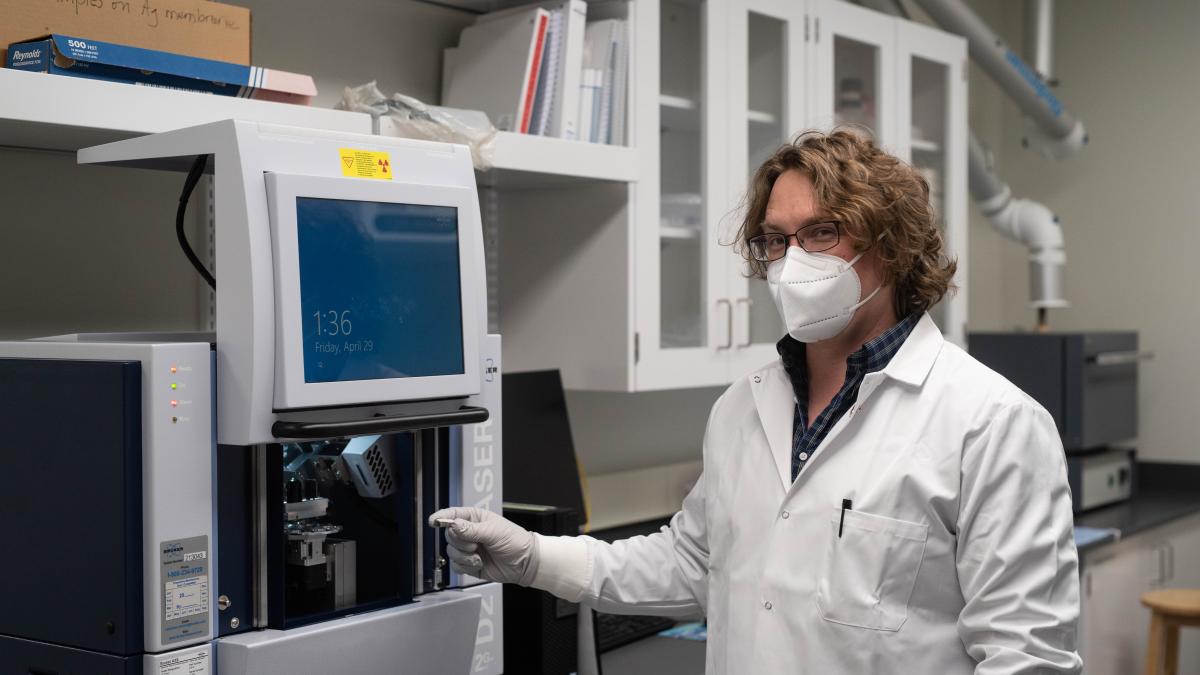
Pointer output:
x,y
539,456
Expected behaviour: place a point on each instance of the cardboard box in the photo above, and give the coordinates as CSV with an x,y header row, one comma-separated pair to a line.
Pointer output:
x,y
209,30
92,59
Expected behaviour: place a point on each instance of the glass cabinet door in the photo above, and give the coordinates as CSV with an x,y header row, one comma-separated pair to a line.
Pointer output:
x,y
933,139
854,71
766,111
690,316
681,174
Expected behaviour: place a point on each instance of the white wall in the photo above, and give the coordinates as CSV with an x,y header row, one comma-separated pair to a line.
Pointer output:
x,y
399,43
88,248
93,248
1126,201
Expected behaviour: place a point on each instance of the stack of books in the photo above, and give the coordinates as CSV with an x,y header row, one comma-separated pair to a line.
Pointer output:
x,y
543,69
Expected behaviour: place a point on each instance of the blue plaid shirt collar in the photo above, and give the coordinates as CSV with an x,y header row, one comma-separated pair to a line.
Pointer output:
x,y
873,356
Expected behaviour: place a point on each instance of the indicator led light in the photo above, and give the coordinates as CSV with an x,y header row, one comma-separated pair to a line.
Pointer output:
x,y
174,420
174,386
174,370
174,403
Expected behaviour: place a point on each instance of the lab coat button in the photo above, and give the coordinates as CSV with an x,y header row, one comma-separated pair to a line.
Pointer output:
x,y
785,515
804,457
767,605
757,379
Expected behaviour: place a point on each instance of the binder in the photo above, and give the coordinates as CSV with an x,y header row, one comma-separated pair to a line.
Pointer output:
x,y
548,78
620,95
566,115
602,47
568,56
496,68
589,98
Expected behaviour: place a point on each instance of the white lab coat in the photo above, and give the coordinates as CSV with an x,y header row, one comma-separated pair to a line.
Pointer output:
x,y
957,556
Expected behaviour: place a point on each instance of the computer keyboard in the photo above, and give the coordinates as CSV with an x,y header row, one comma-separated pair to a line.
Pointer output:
x,y
615,630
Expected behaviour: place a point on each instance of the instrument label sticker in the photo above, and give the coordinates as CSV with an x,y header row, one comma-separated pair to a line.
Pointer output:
x,y
190,664
365,164
185,592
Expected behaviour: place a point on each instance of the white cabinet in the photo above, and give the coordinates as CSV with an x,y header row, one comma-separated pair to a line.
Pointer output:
x,y
1114,626
737,79
854,69
683,313
767,102
931,133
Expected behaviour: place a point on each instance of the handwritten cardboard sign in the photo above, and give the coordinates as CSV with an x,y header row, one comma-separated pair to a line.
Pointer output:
x,y
210,30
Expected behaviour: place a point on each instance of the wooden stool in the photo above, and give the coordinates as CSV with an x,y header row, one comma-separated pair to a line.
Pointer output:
x,y
1171,608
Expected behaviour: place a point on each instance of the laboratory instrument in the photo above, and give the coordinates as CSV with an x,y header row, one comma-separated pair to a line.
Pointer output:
x,y
1102,477
254,500
1088,382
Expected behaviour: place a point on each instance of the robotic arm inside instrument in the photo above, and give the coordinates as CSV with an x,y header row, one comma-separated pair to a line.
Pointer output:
x,y
1049,128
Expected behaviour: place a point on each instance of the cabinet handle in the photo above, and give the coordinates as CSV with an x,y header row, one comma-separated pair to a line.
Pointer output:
x,y
1120,358
1162,565
1170,562
749,303
728,324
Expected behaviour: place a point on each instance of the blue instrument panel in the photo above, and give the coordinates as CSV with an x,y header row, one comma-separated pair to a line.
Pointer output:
x,y
380,290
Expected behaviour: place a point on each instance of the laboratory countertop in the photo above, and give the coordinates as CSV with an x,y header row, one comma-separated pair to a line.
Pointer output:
x,y
1165,493
656,656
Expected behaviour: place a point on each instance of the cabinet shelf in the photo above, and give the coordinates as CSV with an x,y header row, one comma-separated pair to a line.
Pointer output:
x,y
679,114
678,233
523,160
921,145
36,112
761,117
526,160
676,102
54,112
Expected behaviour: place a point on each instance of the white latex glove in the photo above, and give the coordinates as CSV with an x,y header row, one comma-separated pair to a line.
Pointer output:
x,y
485,545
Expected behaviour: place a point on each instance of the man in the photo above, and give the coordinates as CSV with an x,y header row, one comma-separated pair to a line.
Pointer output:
x,y
874,502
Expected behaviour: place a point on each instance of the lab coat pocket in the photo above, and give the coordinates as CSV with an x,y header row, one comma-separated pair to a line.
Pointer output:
x,y
870,570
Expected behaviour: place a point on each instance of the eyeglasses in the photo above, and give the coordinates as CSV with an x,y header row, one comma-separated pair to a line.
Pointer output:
x,y
813,238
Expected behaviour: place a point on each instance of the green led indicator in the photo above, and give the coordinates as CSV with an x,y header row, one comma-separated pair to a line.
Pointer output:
x,y
174,386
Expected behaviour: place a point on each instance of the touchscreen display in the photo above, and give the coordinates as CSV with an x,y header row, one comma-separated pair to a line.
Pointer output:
x,y
380,293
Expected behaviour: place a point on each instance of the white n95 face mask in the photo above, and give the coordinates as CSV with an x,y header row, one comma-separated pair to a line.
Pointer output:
x,y
815,293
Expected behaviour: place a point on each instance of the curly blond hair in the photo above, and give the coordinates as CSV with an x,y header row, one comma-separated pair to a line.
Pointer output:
x,y
871,193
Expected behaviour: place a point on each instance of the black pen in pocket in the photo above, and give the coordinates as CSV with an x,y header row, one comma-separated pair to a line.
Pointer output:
x,y
847,505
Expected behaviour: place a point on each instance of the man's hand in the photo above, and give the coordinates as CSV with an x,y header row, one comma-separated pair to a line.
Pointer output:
x,y
485,545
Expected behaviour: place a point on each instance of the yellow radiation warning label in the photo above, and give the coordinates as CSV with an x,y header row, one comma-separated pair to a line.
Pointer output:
x,y
365,164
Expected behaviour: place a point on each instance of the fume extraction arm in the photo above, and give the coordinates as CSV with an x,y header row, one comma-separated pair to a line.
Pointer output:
x,y
1049,128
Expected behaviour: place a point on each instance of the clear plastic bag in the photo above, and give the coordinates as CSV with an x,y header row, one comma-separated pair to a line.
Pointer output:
x,y
411,118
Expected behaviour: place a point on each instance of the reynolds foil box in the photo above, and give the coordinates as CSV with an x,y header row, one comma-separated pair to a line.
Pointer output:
x,y
93,59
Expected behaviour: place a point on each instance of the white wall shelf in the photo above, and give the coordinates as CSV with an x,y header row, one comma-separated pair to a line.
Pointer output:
x,y
55,112
523,160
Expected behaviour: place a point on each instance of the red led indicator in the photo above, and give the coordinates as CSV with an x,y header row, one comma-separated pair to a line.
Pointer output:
x,y
174,403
